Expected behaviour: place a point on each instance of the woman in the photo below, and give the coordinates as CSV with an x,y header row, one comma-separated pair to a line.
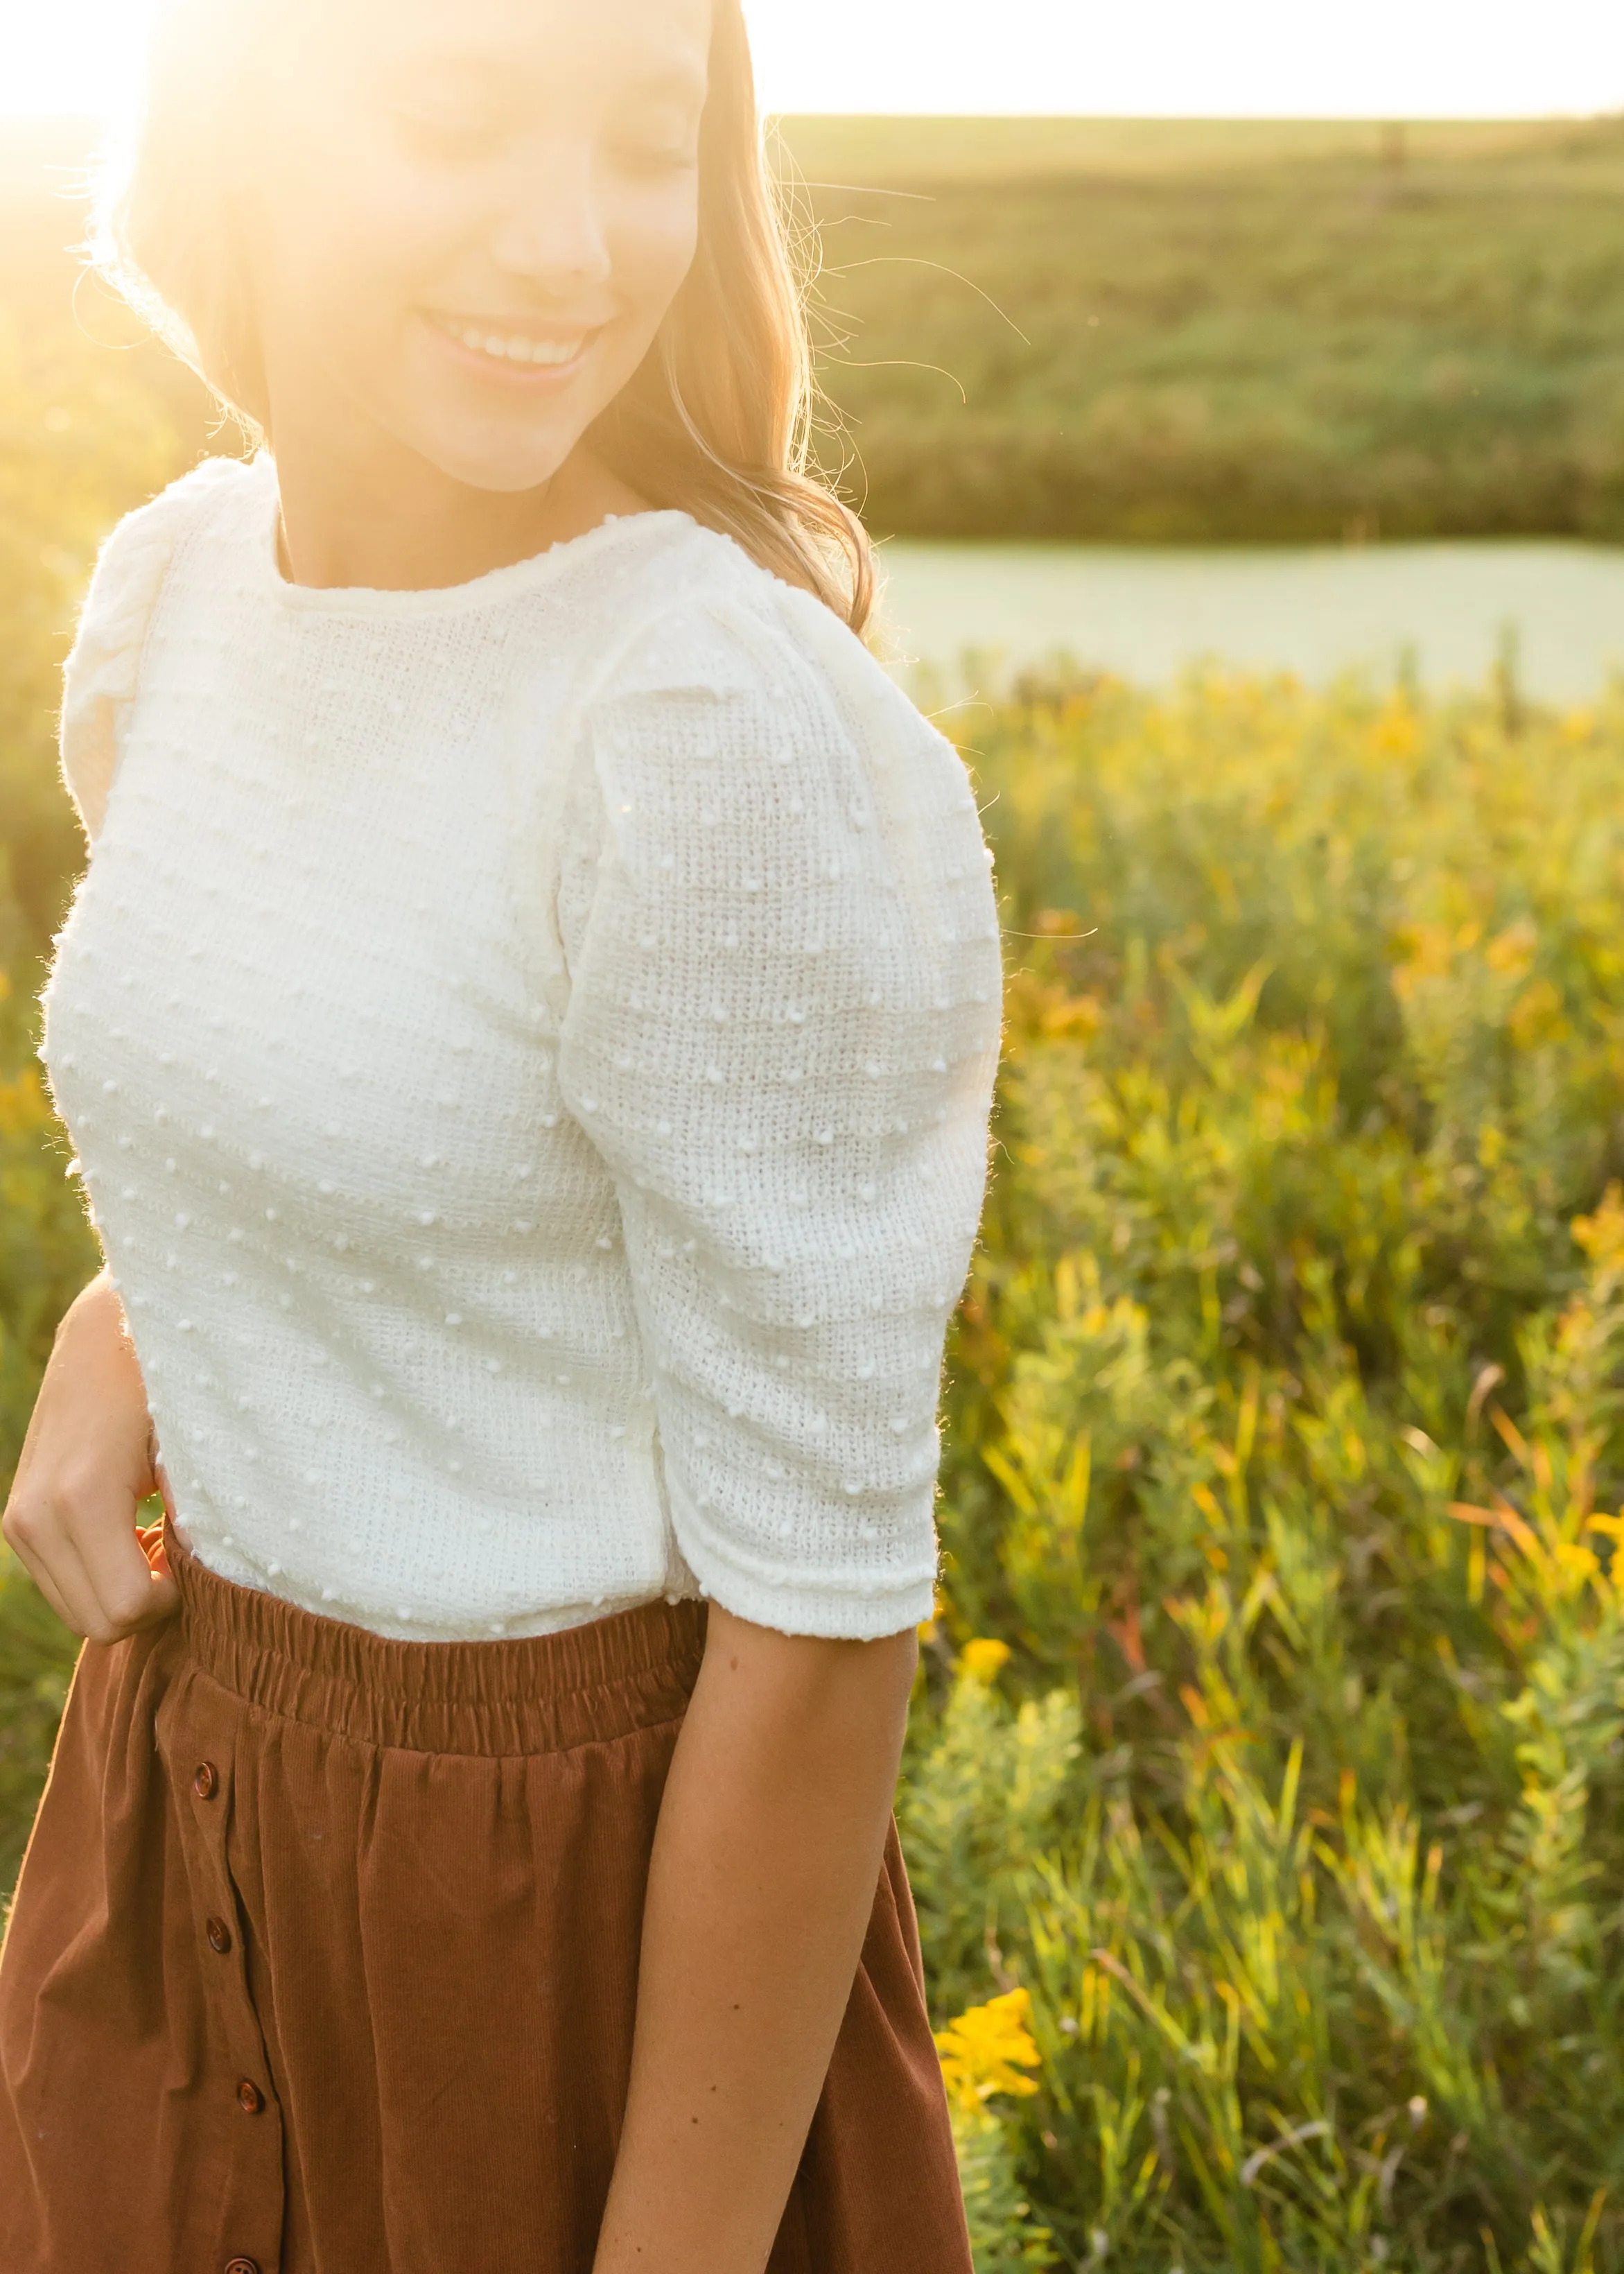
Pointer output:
x,y
528,1029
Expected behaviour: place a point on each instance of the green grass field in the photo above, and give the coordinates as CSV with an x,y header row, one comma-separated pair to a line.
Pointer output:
x,y
1209,334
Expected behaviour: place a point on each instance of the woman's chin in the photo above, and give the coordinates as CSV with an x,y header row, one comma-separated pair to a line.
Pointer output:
x,y
490,426
506,456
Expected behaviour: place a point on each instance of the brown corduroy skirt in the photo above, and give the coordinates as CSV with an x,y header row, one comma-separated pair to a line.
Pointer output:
x,y
324,1961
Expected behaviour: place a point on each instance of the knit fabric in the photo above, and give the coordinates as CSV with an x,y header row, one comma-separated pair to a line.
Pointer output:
x,y
528,1049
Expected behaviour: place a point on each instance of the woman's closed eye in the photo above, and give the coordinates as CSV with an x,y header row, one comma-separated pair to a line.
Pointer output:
x,y
459,132
644,158
654,126
656,146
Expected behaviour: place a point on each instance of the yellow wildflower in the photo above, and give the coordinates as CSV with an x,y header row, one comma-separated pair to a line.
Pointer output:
x,y
984,1659
985,2050
1601,1236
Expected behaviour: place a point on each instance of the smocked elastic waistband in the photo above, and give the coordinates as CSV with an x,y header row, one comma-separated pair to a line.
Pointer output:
x,y
542,1694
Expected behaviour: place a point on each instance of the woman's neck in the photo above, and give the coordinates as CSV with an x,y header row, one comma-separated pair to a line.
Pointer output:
x,y
394,522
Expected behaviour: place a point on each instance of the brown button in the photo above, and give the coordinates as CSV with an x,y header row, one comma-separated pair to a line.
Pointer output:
x,y
219,1935
242,2266
250,2099
205,1779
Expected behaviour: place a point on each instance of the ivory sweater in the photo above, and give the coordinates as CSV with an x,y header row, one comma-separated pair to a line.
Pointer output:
x,y
529,1047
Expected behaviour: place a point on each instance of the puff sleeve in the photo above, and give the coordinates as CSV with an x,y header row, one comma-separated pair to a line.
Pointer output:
x,y
781,1035
102,670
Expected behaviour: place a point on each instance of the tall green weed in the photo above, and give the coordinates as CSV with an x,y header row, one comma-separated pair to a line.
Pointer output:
x,y
1286,1464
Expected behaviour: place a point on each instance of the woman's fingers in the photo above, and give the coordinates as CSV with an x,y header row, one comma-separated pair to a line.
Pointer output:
x,y
83,1549
153,1540
165,1594
128,1592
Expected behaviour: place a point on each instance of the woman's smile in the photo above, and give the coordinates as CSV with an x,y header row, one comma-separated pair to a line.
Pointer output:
x,y
505,347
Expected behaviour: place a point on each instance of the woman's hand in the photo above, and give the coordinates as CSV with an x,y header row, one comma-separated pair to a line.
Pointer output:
x,y
88,1460
762,1883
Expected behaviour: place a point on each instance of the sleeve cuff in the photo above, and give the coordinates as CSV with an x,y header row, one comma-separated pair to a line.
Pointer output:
x,y
794,1602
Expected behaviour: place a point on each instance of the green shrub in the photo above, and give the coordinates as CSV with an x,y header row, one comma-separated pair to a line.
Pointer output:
x,y
1286,1451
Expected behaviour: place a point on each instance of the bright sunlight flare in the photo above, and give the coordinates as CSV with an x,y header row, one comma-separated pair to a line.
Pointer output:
x,y
1421,58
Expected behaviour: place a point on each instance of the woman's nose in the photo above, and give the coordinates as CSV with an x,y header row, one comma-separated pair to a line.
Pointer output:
x,y
552,231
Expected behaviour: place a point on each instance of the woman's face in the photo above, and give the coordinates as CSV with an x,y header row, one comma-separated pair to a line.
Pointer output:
x,y
468,218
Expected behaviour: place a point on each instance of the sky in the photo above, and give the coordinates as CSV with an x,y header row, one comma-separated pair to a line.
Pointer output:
x,y
1215,58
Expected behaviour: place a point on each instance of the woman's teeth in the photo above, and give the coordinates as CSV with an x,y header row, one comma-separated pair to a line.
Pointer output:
x,y
515,348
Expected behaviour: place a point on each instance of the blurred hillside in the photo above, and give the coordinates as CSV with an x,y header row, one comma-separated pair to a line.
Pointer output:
x,y
1218,332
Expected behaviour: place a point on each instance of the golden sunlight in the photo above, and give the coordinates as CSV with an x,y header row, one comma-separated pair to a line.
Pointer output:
x,y
1420,58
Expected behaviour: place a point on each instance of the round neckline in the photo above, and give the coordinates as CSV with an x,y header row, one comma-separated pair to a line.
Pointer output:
x,y
491,586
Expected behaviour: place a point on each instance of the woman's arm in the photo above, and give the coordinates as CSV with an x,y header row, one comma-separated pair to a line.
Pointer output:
x,y
779,1032
87,1464
765,1865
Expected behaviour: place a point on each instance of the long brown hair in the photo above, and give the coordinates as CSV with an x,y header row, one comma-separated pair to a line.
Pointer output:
x,y
718,418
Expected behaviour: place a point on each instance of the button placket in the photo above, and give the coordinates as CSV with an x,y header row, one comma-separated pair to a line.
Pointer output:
x,y
252,2207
